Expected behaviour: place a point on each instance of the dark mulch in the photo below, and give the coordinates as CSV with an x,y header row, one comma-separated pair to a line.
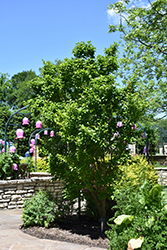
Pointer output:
x,y
79,230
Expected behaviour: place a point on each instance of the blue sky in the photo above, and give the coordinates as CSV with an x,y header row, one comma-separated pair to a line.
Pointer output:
x,y
32,30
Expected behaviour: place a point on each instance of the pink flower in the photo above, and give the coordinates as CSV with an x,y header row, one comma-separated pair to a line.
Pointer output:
x,y
135,127
143,135
14,166
119,124
116,134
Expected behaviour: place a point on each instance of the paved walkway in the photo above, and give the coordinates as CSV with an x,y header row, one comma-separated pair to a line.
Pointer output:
x,y
12,238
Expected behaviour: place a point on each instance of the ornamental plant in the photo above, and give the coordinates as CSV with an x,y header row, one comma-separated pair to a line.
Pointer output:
x,y
135,172
42,165
140,218
9,163
92,120
39,210
42,209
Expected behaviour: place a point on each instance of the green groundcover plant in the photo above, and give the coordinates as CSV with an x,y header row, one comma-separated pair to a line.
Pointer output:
x,y
141,216
43,209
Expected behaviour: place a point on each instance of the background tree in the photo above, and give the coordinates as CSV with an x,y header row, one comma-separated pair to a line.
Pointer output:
x,y
4,88
91,117
13,93
20,89
144,34
4,108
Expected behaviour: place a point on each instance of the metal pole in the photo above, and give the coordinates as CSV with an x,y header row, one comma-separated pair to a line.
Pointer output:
x,y
147,154
39,131
36,146
1,132
6,126
8,123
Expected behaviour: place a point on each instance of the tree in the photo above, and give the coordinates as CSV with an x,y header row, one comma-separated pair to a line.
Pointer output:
x,y
4,88
91,117
19,89
144,34
13,93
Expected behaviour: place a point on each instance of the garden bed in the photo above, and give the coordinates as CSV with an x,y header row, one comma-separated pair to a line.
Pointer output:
x,y
79,230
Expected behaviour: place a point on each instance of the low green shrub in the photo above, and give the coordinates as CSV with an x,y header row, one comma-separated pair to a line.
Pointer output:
x,y
136,171
6,164
26,166
43,209
39,210
42,165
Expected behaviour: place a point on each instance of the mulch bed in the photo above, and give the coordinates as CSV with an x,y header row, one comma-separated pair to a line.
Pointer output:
x,y
76,229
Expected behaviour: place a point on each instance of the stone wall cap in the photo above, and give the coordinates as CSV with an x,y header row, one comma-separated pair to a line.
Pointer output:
x,y
39,174
12,182
37,178
159,168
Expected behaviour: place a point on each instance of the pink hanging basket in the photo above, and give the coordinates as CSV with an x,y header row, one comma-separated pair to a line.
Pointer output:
x,y
38,124
32,141
12,149
25,121
45,132
52,133
19,133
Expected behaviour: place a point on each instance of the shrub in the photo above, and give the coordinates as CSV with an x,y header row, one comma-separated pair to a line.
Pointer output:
x,y
26,165
147,215
43,209
39,210
6,162
42,165
136,171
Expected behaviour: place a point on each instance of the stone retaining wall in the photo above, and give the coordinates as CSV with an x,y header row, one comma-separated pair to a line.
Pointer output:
x,y
162,173
13,192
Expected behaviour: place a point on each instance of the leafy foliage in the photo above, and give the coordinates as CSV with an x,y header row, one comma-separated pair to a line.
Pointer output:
x,y
19,89
6,162
43,209
39,210
4,88
26,165
42,165
91,117
135,171
143,29
149,218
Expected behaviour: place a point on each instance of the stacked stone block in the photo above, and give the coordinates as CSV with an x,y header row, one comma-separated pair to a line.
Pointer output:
x,y
13,192
162,176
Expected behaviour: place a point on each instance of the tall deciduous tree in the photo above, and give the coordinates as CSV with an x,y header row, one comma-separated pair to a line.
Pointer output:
x,y
143,29
19,89
4,88
93,120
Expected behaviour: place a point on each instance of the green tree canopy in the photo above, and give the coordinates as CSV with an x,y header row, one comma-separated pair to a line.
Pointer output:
x,y
144,33
19,90
4,88
91,117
